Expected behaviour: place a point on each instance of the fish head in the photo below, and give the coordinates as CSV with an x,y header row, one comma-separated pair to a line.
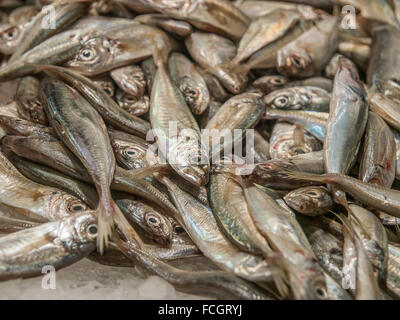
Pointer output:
x,y
272,168
158,225
269,84
129,155
310,201
307,282
95,56
283,99
32,109
10,36
233,81
132,104
196,95
107,86
133,78
295,63
81,231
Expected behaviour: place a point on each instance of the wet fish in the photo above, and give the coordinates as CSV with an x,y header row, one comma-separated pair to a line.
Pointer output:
x,y
213,52
59,243
50,177
309,53
180,145
63,14
82,129
130,79
189,81
392,282
311,201
333,65
134,105
106,83
28,102
386,108
175,27
232,215
20,127
268,84
313,122
101,101
149,220
120,47
261,148
240,112
357,52
288,140
299,98
378,163
217,16
347,120
384,55
39,202
149,69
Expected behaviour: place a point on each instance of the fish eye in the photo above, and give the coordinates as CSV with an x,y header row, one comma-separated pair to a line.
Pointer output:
x,y
76,207
92,230
320,292
277,81
297,61
87,54
298,151
179,230
312,193
153,220
108,91
281,101
130,98
132,152
11,33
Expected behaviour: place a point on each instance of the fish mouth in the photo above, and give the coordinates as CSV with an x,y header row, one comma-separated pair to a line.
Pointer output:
x,y
197,175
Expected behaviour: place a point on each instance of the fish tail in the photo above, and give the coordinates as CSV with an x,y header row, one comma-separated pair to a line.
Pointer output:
x,y
109,216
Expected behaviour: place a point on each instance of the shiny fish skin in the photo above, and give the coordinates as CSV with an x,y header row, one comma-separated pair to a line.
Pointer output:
x,y
28,102
347,120
20,127
39,202
200,45
168,105
130,79
59,243
378,163
136,106
64,15
101,101
308,54
175,27
386,108
82,129
218,16
299,98
192,85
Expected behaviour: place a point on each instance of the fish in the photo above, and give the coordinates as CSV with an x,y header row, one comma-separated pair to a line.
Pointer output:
x,y
392,281
397,140
12,30
358,52
51,152
189,81
205,233
39,202
261,148
209,113
20,127
378,162
386,108
156,226
328,250
347,120
149,69
311,201
101,101
288,140
286,237
217,16
28,101
176,130
82,129
299,98
58,243
175,27
319,82
263,31
120,47
50,177
309,53
268,84
222,284
136,106
63,15
240,112
213,52
313,122
13,224
333,65
215,88
232,215
130,79
106,83
384,55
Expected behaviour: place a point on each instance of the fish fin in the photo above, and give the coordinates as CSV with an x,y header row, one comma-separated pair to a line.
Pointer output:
x,y
108,215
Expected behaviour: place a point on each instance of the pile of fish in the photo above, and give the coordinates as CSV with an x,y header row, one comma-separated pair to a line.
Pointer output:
x,y
108,149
